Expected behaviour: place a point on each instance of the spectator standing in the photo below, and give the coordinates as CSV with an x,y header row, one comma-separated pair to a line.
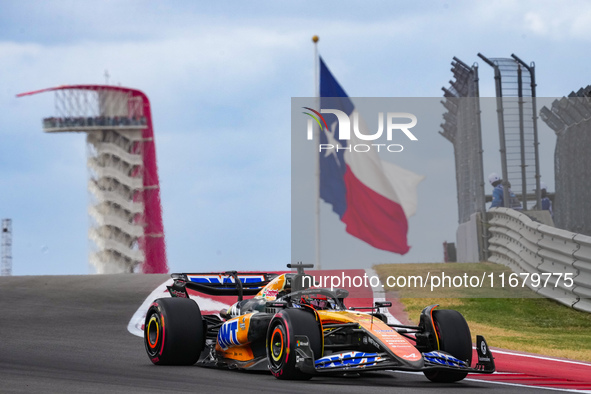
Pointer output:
x,y
497,194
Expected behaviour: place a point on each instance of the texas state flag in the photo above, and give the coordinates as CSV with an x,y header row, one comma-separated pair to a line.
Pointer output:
x,y
372,197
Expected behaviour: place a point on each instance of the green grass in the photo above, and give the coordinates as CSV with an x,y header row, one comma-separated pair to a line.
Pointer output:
x,y
510,318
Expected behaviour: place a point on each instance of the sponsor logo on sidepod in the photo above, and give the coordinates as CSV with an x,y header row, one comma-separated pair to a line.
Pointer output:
x,y
178,294
228,334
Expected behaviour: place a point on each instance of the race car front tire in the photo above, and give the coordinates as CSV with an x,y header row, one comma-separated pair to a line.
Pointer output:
x,y
173,332
454,337
281,343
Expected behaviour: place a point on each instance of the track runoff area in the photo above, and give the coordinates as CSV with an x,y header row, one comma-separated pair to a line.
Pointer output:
x,y
516,369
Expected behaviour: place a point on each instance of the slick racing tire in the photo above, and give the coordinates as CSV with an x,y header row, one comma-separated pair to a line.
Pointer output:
x,y
173,332
281,343
454,338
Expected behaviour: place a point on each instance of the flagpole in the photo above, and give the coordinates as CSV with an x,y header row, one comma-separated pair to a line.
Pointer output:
x,y
316,144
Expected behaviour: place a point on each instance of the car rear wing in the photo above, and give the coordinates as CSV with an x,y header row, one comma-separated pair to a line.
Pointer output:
x,y
229,283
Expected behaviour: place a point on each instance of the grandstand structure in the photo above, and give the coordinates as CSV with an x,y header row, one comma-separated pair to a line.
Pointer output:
x,y
570,118
462,127
125,209
515,87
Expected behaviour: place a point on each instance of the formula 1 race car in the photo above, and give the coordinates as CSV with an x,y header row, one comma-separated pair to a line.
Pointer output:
x,y
297,331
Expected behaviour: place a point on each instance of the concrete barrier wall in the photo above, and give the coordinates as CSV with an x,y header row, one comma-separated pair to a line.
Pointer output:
x,y
467,235
531,247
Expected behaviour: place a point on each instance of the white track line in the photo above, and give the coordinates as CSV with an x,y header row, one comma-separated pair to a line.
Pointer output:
x,y
531,387
540,357
138,317
510,384
135,324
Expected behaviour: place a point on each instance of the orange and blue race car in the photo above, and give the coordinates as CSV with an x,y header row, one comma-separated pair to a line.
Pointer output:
x,y
296,331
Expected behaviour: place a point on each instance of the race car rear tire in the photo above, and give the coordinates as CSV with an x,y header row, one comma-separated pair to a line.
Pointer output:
x,y
281,343
454,338
173,332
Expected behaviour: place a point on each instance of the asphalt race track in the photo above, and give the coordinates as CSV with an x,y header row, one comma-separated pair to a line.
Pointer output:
x,y
69,334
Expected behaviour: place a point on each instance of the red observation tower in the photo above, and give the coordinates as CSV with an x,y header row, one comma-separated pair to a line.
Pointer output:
x,y
126,211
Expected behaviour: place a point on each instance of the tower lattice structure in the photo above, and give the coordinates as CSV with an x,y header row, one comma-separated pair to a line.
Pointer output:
x,y
126,226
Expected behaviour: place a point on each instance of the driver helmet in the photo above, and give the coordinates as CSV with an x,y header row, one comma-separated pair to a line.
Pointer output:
x,y
316,301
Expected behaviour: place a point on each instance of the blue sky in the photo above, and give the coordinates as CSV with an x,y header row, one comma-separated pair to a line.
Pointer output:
x,y
220,76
